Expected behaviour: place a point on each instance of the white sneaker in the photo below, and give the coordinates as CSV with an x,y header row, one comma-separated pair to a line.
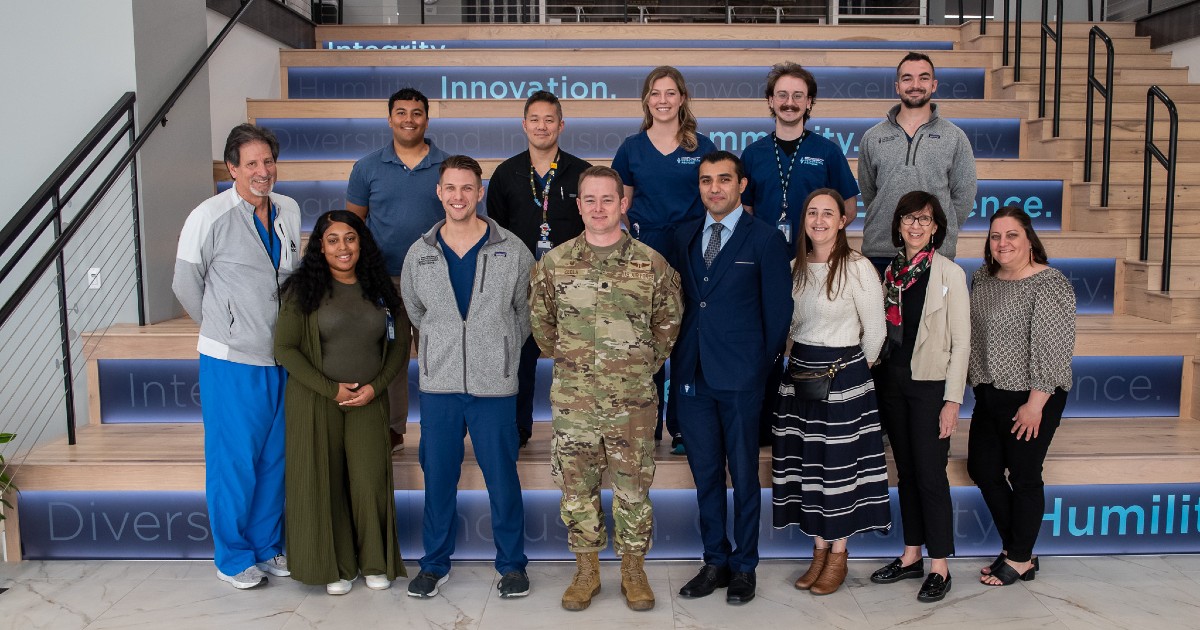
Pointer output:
x,y
276,566
378,582
249,578
340,587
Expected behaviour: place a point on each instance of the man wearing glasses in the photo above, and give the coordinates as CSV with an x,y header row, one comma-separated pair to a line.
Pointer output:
x,y
914,149
782,169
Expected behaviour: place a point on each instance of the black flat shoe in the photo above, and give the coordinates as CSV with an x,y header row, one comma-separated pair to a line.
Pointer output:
x,y
710,578
1007,575
741,588
934,589
895,571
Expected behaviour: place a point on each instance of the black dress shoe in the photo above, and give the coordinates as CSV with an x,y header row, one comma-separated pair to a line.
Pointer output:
x,y
710,578
934,588
895,571
741,588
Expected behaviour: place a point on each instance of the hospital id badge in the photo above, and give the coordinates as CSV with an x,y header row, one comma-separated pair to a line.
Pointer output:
x,y
785,226
543,248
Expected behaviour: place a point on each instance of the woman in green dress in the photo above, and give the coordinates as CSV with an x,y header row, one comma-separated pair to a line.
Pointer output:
x,y
336,338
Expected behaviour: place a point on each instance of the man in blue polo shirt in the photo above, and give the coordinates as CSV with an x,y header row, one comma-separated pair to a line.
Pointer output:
x,y
395,190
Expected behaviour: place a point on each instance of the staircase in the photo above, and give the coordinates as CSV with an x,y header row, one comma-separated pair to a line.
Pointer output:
x,y
1132,431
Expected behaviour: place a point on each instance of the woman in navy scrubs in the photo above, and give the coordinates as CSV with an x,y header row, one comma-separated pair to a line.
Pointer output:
x,y
660,167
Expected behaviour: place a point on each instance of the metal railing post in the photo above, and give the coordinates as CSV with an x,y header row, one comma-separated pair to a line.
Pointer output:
x,y
1169,162
64,328
1093,86
1017,46
138,277
1055,35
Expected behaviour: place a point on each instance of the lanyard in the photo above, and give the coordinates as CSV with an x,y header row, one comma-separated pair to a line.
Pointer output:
x,y
785,179
543,201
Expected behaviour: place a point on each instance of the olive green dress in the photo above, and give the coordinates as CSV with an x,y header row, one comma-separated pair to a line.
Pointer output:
x,y
340,511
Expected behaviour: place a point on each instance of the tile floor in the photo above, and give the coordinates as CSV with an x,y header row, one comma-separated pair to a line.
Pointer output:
x,y
1142,592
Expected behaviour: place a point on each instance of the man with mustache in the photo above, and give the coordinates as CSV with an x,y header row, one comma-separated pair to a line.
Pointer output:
x,y
394,189
782,169
914,149
234,251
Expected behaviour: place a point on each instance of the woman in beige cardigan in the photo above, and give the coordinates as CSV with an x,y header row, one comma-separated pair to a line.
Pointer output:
x,y
920,386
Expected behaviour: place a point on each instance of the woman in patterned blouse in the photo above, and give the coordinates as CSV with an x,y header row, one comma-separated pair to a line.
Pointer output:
x,y
1022,338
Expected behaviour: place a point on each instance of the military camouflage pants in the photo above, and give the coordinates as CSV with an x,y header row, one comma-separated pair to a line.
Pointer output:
x,y
585,444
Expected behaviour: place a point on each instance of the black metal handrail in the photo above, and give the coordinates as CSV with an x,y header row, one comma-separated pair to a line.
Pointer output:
x,y
1055,35
16,239
1105,91
1168,162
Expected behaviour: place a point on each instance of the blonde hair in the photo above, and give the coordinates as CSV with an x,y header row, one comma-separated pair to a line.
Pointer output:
x,y
687,121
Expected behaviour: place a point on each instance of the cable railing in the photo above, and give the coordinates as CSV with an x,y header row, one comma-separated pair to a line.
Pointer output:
x,y
680,11
1056,35
70,265
1106,91
1168,161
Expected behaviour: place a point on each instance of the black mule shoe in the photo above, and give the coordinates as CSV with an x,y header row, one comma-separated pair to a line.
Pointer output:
x,y
934,589
895,571
995,565
1007,575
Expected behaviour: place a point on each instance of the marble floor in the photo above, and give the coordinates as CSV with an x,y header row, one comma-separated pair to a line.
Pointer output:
x,y
1143,592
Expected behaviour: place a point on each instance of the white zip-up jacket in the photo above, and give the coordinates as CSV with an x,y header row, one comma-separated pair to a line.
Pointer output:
x,y
225,280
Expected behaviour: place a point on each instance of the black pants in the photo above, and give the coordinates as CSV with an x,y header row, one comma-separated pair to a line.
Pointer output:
x,y
909,413
669,412
1017,502
526,371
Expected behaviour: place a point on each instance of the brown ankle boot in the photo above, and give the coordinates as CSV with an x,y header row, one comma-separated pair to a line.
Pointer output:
x,y
805,581
833,575
634,585
586,583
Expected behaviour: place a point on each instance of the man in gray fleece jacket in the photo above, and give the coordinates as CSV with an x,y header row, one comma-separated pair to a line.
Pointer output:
x,y
914,149
465,284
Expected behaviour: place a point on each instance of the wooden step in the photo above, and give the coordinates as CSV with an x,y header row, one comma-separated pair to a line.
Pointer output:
x,y
1030,28
170,457
1148,275
1131,194
326,170
1133,91
1066,148
1122,128
1031,44
1129,219
635,57
1179,306
1003,77
656,32
623,108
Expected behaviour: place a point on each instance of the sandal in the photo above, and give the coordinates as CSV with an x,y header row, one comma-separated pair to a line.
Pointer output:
x,y
996,564
1007,575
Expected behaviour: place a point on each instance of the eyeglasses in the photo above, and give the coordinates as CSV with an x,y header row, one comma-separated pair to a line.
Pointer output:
x,y
795,96
923,220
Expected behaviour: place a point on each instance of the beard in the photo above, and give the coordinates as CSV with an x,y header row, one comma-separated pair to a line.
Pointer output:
x,y
914,102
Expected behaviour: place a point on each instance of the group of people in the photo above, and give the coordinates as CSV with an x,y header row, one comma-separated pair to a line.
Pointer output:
x,y
680,251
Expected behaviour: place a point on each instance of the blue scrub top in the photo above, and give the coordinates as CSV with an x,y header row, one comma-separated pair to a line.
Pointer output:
x,y
819,163
462,271
666,188
401,203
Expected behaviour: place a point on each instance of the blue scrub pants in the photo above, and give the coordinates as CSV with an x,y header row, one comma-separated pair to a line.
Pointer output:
x,y
491,422
242,407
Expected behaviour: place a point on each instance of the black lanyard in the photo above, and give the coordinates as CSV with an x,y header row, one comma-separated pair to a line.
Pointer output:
x,y
785,179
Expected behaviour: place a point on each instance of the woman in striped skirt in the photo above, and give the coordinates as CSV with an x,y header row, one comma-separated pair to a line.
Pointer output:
x,y
829,476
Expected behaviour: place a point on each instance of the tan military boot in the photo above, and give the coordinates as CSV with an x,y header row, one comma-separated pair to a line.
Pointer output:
x,y
585,584
634,585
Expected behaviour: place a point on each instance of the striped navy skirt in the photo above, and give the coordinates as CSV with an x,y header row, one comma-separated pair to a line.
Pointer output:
x,y
828,473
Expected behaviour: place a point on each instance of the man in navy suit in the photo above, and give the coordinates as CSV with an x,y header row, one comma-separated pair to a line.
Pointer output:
x,y
737,289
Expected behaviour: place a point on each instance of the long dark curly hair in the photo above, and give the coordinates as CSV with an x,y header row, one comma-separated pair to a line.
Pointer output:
x,y
312,281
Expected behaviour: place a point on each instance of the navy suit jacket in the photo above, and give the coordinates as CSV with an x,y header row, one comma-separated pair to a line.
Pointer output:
x,y
736,314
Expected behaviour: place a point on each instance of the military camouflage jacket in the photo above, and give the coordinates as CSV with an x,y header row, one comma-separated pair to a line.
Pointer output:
x,y
609,324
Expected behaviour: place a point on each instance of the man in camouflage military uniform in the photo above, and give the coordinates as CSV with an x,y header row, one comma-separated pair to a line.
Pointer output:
x,y
607,308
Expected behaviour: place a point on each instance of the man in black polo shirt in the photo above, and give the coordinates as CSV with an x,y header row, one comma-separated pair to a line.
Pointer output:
x,y
532,194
